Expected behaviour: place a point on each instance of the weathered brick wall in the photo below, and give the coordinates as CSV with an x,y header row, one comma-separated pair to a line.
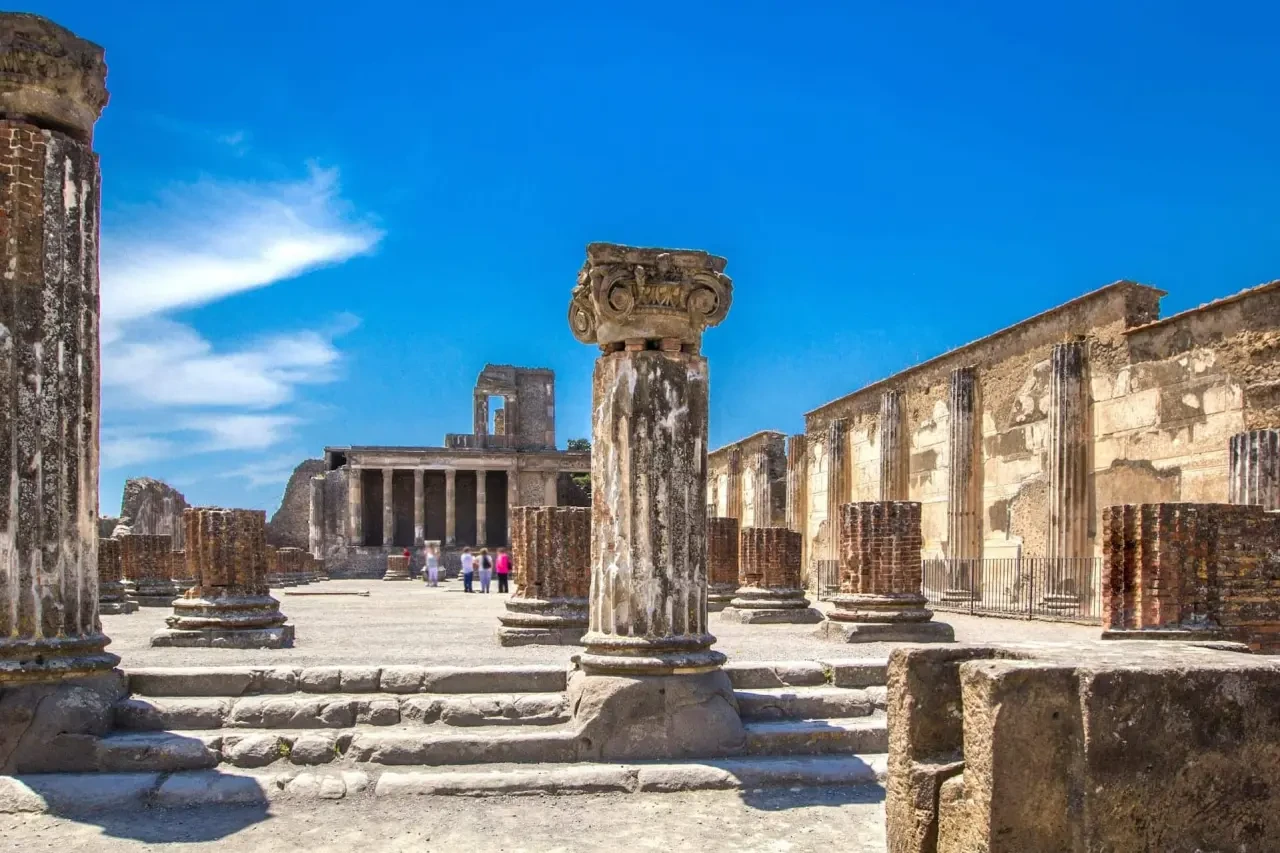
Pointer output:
x,y
145,557
1189,566
290,561
880,544
290,526
722,551
769,558
178,568
110,569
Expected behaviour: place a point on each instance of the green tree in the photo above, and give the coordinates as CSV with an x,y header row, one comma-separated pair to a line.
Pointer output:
x,y
579,444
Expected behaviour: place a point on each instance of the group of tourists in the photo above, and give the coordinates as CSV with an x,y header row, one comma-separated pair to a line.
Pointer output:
x,y
472,564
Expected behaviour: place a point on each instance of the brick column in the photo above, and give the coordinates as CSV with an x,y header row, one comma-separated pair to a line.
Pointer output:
x,y
895,452
1254,472
291,566
450,507
769,574
880,576
482,511
388,508
113,594
229,606
355,505
964,488
648,647
419,508
52,93
397,568
722,561
551,570
146,563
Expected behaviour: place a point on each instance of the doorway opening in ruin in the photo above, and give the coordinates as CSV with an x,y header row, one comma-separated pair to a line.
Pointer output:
x,y
497,415
433,499
495,512
465,507
371,520
573,488
402,508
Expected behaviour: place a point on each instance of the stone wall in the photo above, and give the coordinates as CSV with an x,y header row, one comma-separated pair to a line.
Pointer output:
x,y
1211,568
154,507
759,478
290,526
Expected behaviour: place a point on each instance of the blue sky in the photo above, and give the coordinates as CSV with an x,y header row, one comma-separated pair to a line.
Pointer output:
x,y
321,219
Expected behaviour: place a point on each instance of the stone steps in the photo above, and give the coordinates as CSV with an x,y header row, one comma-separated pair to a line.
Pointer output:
x,y
799,703
88,793
850,735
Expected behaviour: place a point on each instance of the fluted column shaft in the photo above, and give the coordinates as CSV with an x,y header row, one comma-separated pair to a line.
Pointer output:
x,y
482,508
894,450
761,509
837,484
1069,450
733,485
450,506
797,482
964,496
388,507
1254,469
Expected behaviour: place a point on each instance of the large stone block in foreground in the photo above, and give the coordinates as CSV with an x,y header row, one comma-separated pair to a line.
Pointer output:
x,y
1082,747
230,605
551,553
771,592
880,578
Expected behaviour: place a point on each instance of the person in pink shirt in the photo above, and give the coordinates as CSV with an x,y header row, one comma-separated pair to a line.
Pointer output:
x,y
503,569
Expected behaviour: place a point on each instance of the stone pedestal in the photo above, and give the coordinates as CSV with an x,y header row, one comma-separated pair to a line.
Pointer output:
x,y
397,568
769,569
651,685
113,593
229,607
146,563
722,562
551,556
880,575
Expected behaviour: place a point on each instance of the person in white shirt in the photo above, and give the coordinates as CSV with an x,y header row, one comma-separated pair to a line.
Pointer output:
x,y
433,566
468,570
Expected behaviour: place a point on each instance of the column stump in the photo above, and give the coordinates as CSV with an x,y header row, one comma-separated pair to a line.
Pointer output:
x,y
551,557
722,562
230,605
146,563
771,592
397,568
880,575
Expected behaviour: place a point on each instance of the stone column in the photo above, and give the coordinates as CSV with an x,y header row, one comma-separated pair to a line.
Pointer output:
x,y
761,499
769,574
53,90
355,506
482,505
113,594
419,508
551,565
837,493
797,482
964,488
1069,443
229,606
650,684
880,578
894,450
513,495
722,561
450,506
480,418
315,521
388,508
1254,472
146,563
549,496
733,486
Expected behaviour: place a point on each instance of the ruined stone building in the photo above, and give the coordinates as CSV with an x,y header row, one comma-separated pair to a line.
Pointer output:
x,y
1016,442
369,502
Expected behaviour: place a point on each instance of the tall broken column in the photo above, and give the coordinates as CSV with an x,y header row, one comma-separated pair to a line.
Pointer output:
x,y
1254,469
230,605
650,685
1069,443
895,455
880,576
52,90
964,488
769,578
113,592
733,485
722,561
551,557
148,566
761,489
828,562
798,498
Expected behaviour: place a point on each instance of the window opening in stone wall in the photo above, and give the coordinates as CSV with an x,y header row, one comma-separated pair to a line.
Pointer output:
x,y
498,416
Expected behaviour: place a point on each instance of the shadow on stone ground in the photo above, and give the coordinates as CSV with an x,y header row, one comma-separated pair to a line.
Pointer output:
x,y
782,799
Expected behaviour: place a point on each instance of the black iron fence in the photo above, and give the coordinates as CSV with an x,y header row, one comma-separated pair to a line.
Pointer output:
x,y
1066,589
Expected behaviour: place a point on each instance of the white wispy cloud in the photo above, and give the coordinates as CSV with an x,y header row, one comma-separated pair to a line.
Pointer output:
x,y
167,389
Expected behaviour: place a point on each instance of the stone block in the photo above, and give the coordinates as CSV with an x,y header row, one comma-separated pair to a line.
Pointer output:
x,y
191,681
752,675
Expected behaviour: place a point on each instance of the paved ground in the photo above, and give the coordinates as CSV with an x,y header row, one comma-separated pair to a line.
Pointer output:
x,y
850,820
405,622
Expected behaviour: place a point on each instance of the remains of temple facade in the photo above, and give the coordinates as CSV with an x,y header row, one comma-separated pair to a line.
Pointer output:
x,y
371,502
722,561
148,565
551,556
880,573
747,480
769,586
230,605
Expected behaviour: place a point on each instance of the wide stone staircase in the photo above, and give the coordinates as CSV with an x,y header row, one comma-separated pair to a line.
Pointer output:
x,y
248,734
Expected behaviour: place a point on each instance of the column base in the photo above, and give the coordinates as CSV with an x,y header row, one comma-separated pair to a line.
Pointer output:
x,y
886,632
396,576
279,637
116,608
622,718
50,660
960,596
759,606
1061,603
547,622
155,593
880,608
719,595
611,654
53,727
113,599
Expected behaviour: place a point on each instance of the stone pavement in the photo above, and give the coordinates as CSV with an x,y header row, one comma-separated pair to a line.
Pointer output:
x,y
410,623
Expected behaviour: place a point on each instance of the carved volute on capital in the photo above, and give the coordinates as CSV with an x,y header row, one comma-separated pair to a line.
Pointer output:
x,y
49,75
628,293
